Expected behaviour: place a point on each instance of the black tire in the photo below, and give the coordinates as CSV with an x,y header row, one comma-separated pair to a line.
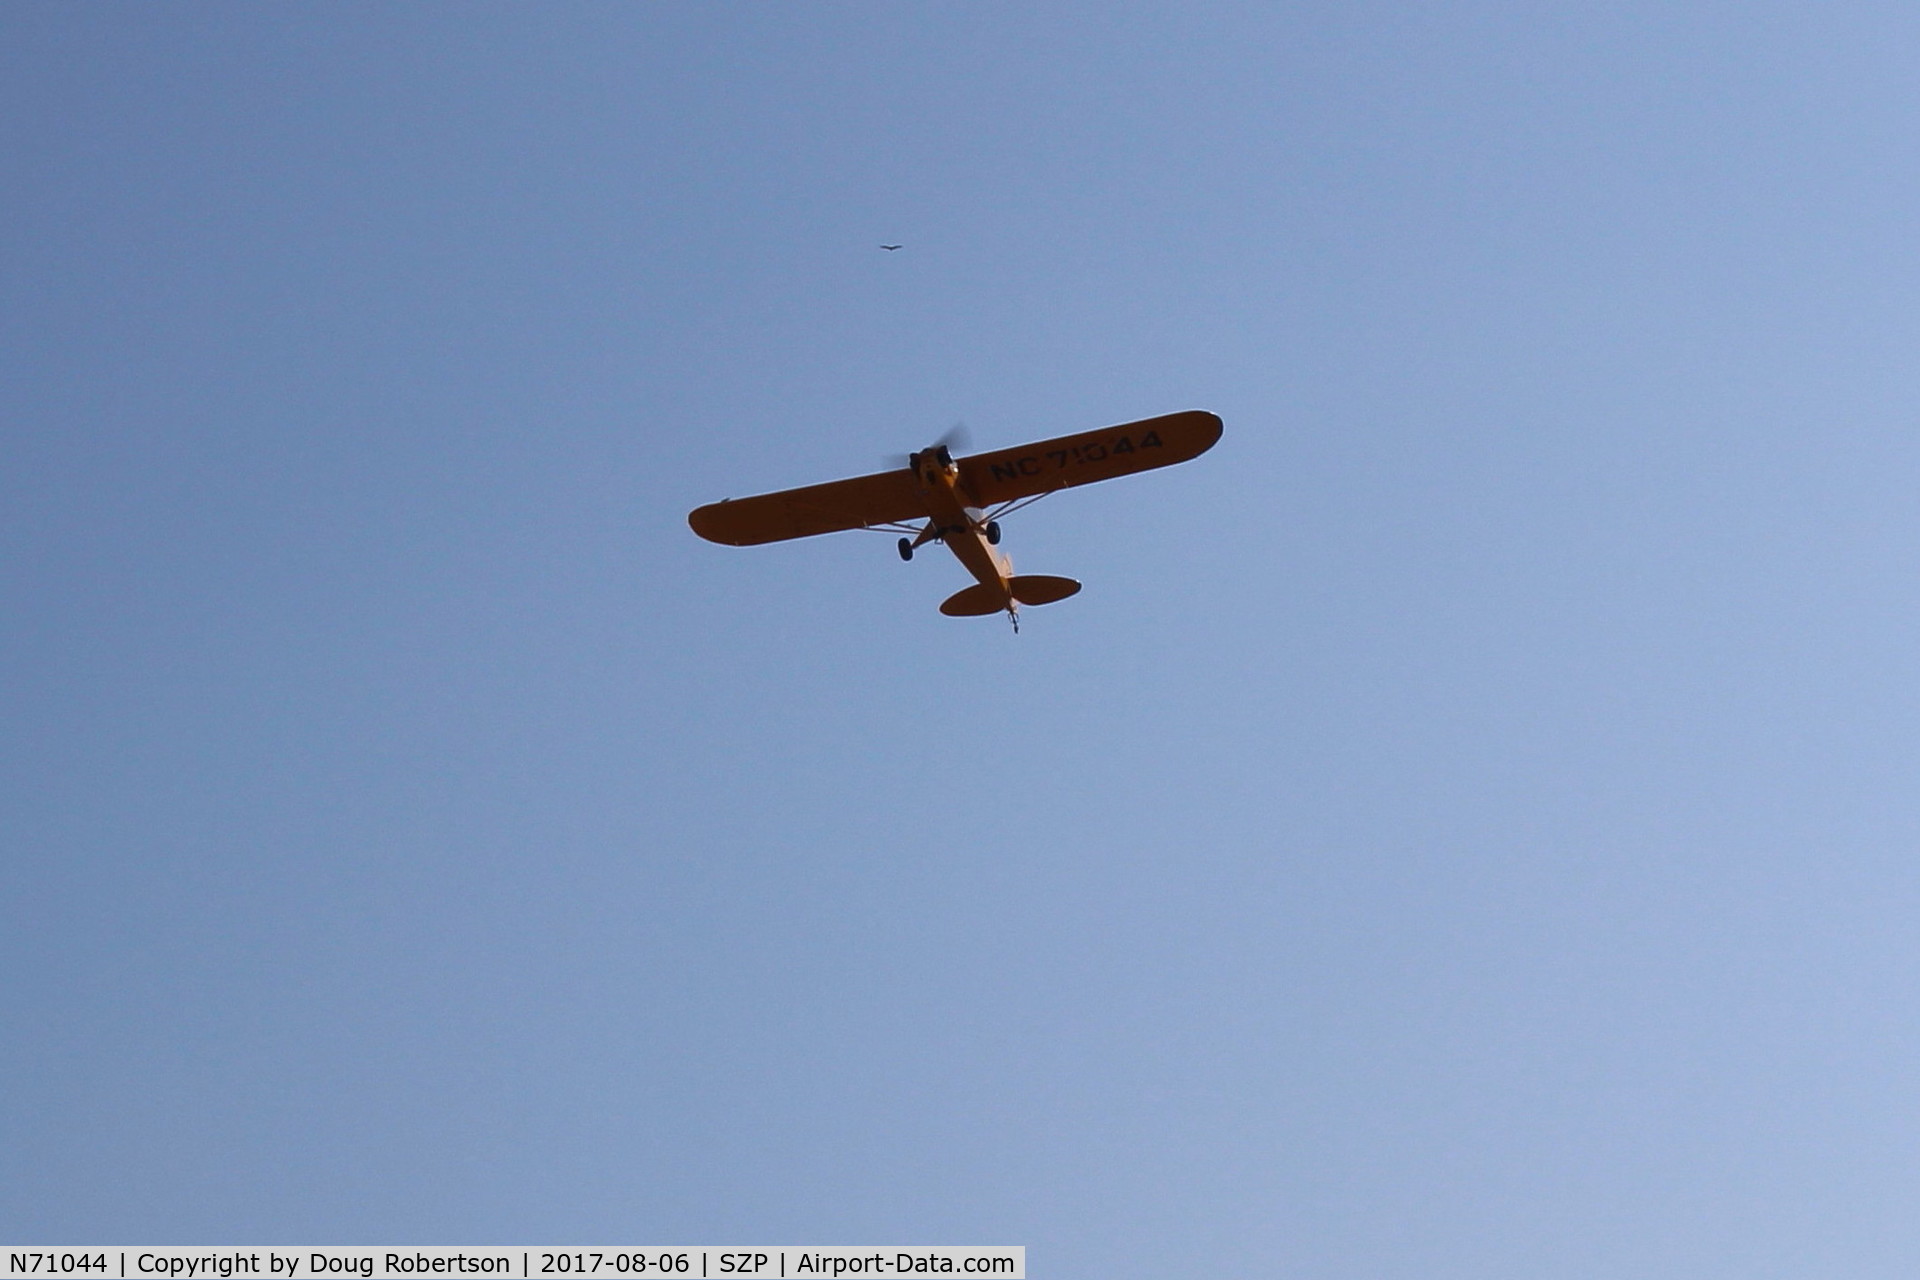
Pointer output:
x,y
993,533
906,549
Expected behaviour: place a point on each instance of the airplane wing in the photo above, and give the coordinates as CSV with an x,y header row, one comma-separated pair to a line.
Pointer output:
x,y
1029,469
886,498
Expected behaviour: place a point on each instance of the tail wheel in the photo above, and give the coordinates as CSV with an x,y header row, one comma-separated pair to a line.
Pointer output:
x,y
906,548
993,533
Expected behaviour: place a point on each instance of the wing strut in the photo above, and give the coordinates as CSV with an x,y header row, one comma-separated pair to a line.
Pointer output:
x,y
1018,504
995,513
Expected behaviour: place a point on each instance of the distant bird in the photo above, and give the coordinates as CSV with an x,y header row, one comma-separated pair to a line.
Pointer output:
x,y
890,247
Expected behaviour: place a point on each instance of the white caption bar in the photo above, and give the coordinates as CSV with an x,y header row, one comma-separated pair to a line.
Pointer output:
x,y
547,1262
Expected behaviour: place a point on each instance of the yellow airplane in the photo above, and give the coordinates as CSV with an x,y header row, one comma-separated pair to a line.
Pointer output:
x,y
963,501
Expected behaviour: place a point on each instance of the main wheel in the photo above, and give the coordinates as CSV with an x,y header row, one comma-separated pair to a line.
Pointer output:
x,y
993,533
906,549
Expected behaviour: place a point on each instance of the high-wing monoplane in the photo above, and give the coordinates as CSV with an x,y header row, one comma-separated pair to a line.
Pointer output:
x,y
960,502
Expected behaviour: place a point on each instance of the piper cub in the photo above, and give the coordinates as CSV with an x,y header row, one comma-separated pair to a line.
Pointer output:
x,y
960,502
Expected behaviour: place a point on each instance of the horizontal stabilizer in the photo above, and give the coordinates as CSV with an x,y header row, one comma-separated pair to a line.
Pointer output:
x,y
975,601
1031,588
1041,588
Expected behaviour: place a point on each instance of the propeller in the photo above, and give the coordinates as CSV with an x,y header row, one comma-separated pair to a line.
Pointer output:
x,y
958,439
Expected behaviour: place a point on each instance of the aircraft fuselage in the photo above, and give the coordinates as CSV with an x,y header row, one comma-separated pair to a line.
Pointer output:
x,y
962,526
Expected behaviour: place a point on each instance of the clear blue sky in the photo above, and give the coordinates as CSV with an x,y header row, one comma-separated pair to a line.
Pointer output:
x,y
1467,827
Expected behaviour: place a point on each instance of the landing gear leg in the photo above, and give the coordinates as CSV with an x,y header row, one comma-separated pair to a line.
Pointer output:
x,y
906,548
1014,618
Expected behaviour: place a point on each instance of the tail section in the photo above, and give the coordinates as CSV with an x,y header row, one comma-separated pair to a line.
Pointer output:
x,y
981,599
